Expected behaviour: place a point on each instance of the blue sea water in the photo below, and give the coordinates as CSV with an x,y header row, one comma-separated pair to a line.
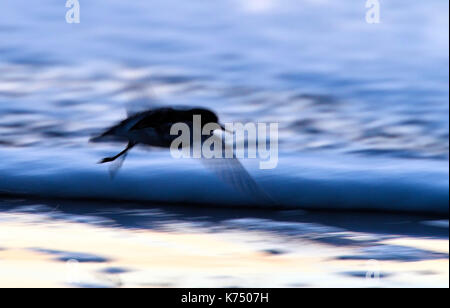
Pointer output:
x,y
362,108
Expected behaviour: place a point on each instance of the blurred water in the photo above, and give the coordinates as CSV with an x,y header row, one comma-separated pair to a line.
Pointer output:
x,y
58,243
334,82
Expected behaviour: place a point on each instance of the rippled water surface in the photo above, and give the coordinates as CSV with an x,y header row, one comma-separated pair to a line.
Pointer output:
x,y
332,81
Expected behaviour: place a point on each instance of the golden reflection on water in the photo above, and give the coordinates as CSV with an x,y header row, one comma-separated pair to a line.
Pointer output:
x,y
189,258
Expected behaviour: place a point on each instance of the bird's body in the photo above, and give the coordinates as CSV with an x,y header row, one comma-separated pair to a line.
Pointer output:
x,y
152,127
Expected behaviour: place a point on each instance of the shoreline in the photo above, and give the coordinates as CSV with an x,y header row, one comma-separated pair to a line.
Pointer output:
x,y
129,245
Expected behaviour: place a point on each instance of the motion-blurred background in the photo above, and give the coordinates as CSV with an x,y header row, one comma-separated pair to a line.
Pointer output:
x,y
363,111
332,80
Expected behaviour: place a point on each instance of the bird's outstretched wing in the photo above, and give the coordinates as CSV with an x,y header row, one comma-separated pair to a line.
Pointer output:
x,y
233,173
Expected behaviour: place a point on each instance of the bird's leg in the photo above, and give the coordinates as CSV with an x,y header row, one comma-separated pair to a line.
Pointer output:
x,y
110,159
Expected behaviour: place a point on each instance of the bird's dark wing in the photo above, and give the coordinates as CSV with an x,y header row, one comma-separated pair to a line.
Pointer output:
x,y
233,173
157,118
149,119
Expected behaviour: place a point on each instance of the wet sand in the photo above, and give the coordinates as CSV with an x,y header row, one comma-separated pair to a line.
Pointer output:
x,y
83,244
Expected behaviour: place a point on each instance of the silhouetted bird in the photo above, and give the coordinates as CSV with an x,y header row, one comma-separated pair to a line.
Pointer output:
x,y
152,128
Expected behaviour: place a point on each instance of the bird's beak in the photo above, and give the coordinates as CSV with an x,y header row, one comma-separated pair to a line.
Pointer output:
x,y
224,129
